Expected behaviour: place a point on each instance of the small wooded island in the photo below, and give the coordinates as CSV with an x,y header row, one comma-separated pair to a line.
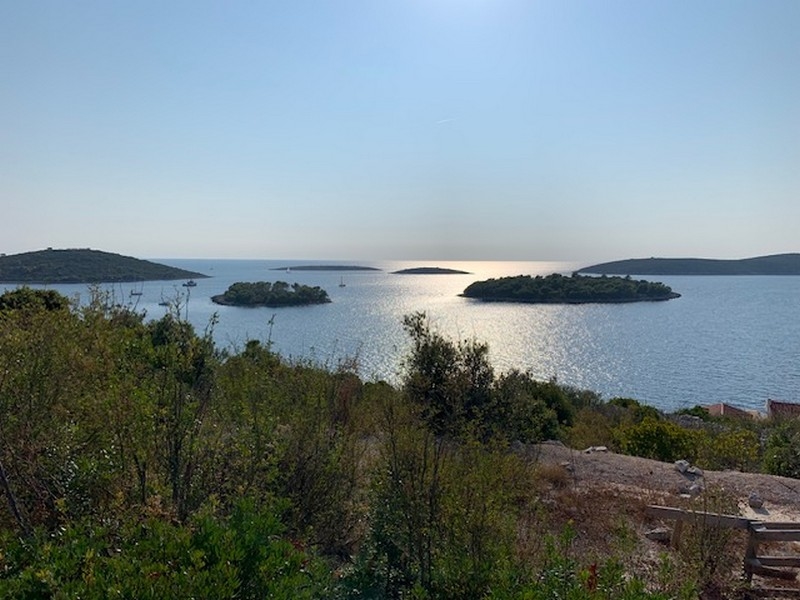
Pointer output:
x,y
429,271
264,293
561,289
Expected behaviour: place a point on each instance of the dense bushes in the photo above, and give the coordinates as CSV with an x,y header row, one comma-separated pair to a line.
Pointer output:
x,y
137,459
241,555
25,298
626,426
657,439
782,454
456,389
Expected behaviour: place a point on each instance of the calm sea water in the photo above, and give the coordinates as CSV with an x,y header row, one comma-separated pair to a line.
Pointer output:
x,y
727,339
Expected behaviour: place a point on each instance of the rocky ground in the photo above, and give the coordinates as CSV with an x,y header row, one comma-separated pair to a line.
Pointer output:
x,y
603,493
650,478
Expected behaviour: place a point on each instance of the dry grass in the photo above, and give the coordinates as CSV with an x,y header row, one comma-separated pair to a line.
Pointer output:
x,y
552,476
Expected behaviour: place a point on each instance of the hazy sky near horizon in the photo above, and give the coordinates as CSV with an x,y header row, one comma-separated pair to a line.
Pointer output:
x,y
408,129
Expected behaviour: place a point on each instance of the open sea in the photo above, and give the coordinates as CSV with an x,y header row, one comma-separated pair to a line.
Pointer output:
x,y
727,339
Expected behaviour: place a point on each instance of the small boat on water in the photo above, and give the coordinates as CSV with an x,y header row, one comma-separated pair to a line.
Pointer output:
x,y
341,282
190,283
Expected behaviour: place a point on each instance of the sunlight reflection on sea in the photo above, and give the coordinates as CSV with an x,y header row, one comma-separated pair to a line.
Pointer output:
x,y
727,339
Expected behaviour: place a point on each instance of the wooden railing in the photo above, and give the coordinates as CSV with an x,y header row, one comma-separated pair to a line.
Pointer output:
x,y
758,532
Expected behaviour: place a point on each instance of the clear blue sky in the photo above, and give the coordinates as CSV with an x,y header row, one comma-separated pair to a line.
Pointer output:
x,y
408,129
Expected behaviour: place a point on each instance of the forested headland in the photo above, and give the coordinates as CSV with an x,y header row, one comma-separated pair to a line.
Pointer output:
x,y
139,460
83,265
560,289
775,264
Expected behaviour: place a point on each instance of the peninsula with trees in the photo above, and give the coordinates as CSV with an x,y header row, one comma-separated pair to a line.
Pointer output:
x,y
774,264
84,265
264,293
561,289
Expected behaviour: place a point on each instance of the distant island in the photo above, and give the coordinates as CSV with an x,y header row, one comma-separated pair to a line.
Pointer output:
x,y
83,265
264,293
326,268
775,264
429,271
560,289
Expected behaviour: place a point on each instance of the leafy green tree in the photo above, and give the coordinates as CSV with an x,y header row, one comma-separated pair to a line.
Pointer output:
x,y
320,457
451,382
42,397
246,433
406,491
184,377
526,410
28,298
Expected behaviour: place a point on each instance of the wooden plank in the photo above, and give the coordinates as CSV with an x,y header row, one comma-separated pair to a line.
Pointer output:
x,y
780,561
776,535
776,524
754,565
699,518
677,533
774,592
750,555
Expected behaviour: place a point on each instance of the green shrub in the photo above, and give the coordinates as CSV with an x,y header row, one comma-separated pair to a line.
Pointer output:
x,y
444,515
525,409
633,410
592,427
562,576
25,298
735,448
709,554
782,451
240,556
659,440
696,411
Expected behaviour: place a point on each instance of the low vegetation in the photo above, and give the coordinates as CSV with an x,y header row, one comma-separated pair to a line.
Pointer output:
x,y
264,293
560,289
139,460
